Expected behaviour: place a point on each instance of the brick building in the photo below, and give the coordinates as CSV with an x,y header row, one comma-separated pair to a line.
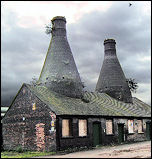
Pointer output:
x,y
55,113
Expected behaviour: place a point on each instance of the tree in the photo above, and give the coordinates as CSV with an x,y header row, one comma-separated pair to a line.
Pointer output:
x,y
48,29
132,84
34,81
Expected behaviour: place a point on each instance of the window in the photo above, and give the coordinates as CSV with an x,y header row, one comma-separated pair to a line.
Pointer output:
x,y
66,128
140,126
82,127
109,127
34,106
130,126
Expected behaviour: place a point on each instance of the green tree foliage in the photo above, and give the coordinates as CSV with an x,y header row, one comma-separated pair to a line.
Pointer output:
x,y
132,84
48,29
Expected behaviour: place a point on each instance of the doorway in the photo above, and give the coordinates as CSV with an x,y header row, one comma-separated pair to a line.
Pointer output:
x,y
120,133
96,134
148,130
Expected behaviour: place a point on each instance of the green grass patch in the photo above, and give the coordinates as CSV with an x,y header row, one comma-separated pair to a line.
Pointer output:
x,y
26,154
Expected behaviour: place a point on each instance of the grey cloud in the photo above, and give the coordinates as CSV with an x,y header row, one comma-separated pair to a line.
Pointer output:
x,y
120,23
132,35
24,49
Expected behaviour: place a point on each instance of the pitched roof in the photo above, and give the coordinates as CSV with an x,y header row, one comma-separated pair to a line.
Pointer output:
x,y
99,104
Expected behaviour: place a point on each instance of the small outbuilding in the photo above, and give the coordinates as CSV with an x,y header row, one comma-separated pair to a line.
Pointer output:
x,y
55,113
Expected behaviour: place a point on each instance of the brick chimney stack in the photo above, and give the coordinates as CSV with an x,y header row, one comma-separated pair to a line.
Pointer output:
x,y
109,47
112,79
59,72
58,26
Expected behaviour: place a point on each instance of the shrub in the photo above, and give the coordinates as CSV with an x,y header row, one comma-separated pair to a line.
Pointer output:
x,y
19,149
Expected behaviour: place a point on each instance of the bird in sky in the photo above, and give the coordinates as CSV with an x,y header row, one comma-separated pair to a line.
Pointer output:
x,y
130,4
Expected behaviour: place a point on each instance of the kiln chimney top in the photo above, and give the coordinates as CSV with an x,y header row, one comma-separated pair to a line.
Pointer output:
x,y
109,45
59,18
109,41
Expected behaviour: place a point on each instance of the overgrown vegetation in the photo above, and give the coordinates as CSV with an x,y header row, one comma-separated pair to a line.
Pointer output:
x,y
132,84
24,154
20,153
48,29
19,149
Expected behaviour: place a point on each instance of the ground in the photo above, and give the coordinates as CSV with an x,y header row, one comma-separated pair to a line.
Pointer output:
x,y
135,150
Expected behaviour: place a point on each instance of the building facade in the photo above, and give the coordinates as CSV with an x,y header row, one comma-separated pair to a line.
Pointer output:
x,y
56,114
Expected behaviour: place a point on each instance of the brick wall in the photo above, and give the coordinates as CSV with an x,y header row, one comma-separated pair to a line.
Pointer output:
x,y
136,136
30,123
106,139
27,126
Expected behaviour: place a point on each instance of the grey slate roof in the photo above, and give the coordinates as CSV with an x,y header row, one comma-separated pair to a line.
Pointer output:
x,y
112,79
99,104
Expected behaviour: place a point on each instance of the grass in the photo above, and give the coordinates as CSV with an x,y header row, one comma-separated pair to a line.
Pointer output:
x,y
26,154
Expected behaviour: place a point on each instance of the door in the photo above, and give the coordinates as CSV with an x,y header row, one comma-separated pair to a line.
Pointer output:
x,y
96,134
148,131
120,133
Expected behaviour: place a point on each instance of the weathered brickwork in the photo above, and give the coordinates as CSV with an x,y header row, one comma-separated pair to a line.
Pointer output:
x,y
31,124
40,136
138,136
112,79
77,141
59,72
27,127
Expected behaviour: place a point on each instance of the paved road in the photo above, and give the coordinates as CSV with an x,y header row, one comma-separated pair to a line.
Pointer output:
x,y
136,150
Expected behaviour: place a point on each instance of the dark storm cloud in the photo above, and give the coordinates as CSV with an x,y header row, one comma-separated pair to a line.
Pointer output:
x,y
24,49
22,56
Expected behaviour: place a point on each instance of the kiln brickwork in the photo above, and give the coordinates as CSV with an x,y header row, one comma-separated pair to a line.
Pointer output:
x,y
59,71
112,79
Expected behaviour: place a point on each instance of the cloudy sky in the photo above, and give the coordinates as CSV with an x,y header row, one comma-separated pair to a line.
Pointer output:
x,y
24,42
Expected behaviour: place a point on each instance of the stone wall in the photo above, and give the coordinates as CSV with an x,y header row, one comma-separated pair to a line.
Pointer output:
x,y
29,124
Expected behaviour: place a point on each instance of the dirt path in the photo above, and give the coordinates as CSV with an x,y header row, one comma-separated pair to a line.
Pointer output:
x,y
136,150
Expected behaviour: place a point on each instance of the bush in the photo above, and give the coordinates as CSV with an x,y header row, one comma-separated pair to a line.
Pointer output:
x,y
19,149
2,148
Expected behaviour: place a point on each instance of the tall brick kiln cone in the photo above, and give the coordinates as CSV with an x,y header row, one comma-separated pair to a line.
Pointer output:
x,y
112,79
59,71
